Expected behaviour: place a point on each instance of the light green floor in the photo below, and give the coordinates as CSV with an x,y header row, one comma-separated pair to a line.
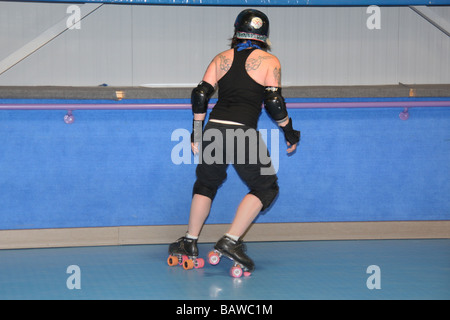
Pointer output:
x,y
405,269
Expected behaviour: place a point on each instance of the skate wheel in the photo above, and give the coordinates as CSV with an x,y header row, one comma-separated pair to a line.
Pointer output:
x,y
172,261
247,274
188,264
200,263
183,259
236,272
213,258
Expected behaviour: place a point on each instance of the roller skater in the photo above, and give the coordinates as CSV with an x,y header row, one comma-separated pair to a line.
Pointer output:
x,y
247,76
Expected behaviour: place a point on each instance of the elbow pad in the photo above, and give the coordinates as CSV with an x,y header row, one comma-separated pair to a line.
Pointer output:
x,y
200,97
274,104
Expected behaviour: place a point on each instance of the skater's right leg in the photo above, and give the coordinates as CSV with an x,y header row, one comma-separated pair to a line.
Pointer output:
x,y
248,210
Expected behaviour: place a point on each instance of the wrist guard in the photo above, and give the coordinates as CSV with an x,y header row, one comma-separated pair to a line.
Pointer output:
x,y
292,136
197,130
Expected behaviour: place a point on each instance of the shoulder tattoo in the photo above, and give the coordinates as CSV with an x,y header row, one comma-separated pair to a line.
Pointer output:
x,y
225,63
255,63
277,75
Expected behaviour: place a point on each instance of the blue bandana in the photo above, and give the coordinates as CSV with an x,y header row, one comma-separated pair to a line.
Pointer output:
x,y
247,44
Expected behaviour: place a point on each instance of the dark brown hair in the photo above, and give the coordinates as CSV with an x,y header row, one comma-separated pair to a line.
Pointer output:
x,y
235,41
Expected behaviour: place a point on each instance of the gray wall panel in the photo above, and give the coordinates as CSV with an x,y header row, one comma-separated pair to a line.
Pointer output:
x,y
424,50
332,46
20,23
174,45
99,52
125,45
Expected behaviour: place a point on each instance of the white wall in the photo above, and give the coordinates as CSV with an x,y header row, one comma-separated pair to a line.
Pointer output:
x,y
125,45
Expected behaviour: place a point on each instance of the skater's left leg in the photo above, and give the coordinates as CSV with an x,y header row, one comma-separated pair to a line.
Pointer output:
x,y
200,207
210,177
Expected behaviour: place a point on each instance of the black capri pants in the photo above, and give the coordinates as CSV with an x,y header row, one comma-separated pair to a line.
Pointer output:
x,y
244,148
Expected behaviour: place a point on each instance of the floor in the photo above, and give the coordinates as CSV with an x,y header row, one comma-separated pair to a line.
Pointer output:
x,y
363,269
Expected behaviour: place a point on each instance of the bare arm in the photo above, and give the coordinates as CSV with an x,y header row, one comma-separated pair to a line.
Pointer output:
x,y
273,75
211,78
273,79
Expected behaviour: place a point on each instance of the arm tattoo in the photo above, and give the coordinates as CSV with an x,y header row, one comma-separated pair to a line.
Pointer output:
x,y
225,63
277,75
253,64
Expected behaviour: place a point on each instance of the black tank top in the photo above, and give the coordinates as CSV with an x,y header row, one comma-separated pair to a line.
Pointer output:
x,y
240,97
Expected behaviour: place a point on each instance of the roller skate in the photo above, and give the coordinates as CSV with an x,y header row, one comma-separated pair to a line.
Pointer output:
x,y
184,252
235,251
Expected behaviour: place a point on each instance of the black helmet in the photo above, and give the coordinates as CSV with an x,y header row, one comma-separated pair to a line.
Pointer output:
x,y
253,25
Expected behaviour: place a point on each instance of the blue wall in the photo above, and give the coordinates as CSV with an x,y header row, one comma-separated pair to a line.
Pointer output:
x,y
113,168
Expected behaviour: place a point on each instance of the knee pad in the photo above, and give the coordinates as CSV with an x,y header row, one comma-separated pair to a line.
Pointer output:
x,y
266,196
200,188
